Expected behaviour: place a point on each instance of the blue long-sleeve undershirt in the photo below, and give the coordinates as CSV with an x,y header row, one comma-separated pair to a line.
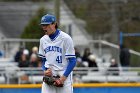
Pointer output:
x,y
43,64
71,65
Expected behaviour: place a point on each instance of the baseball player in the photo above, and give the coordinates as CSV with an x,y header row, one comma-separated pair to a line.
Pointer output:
x,y
58,57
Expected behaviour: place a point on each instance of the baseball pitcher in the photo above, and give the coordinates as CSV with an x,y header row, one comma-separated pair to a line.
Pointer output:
x,y
58,57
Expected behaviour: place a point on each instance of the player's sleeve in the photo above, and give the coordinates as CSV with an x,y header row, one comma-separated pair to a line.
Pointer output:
x,y
70,55
69,47
41,51
71,65
43,64
41,54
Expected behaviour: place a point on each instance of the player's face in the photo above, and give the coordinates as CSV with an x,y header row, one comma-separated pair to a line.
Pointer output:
x,y
48,29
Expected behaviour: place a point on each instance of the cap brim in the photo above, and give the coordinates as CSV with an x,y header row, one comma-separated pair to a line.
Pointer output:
x,y
46,23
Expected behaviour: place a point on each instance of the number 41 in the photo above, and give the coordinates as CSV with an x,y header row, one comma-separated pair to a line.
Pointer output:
x,y
59,59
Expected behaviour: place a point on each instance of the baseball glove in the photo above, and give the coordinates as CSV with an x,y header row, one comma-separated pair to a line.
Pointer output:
x,y
48,80
55,81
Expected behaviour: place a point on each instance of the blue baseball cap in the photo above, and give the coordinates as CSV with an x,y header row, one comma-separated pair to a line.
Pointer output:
x,y
48,19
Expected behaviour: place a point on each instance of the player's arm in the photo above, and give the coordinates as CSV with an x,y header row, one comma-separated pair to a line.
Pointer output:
x,y
70,56
43,64
41,54
47,71
71,65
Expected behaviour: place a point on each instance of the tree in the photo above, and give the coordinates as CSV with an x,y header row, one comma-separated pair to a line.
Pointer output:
x,y
33,29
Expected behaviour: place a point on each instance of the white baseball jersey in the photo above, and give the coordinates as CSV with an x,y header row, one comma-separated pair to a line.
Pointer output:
x,y
56,51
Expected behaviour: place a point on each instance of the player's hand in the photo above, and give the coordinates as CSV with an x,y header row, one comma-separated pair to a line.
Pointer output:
x,y
48,72
63,78
60,81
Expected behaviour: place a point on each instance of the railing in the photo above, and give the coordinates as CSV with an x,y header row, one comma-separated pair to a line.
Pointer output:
x,y
112,45
16,75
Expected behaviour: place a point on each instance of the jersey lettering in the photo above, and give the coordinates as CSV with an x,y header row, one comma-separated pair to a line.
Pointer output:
x,y
53,48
